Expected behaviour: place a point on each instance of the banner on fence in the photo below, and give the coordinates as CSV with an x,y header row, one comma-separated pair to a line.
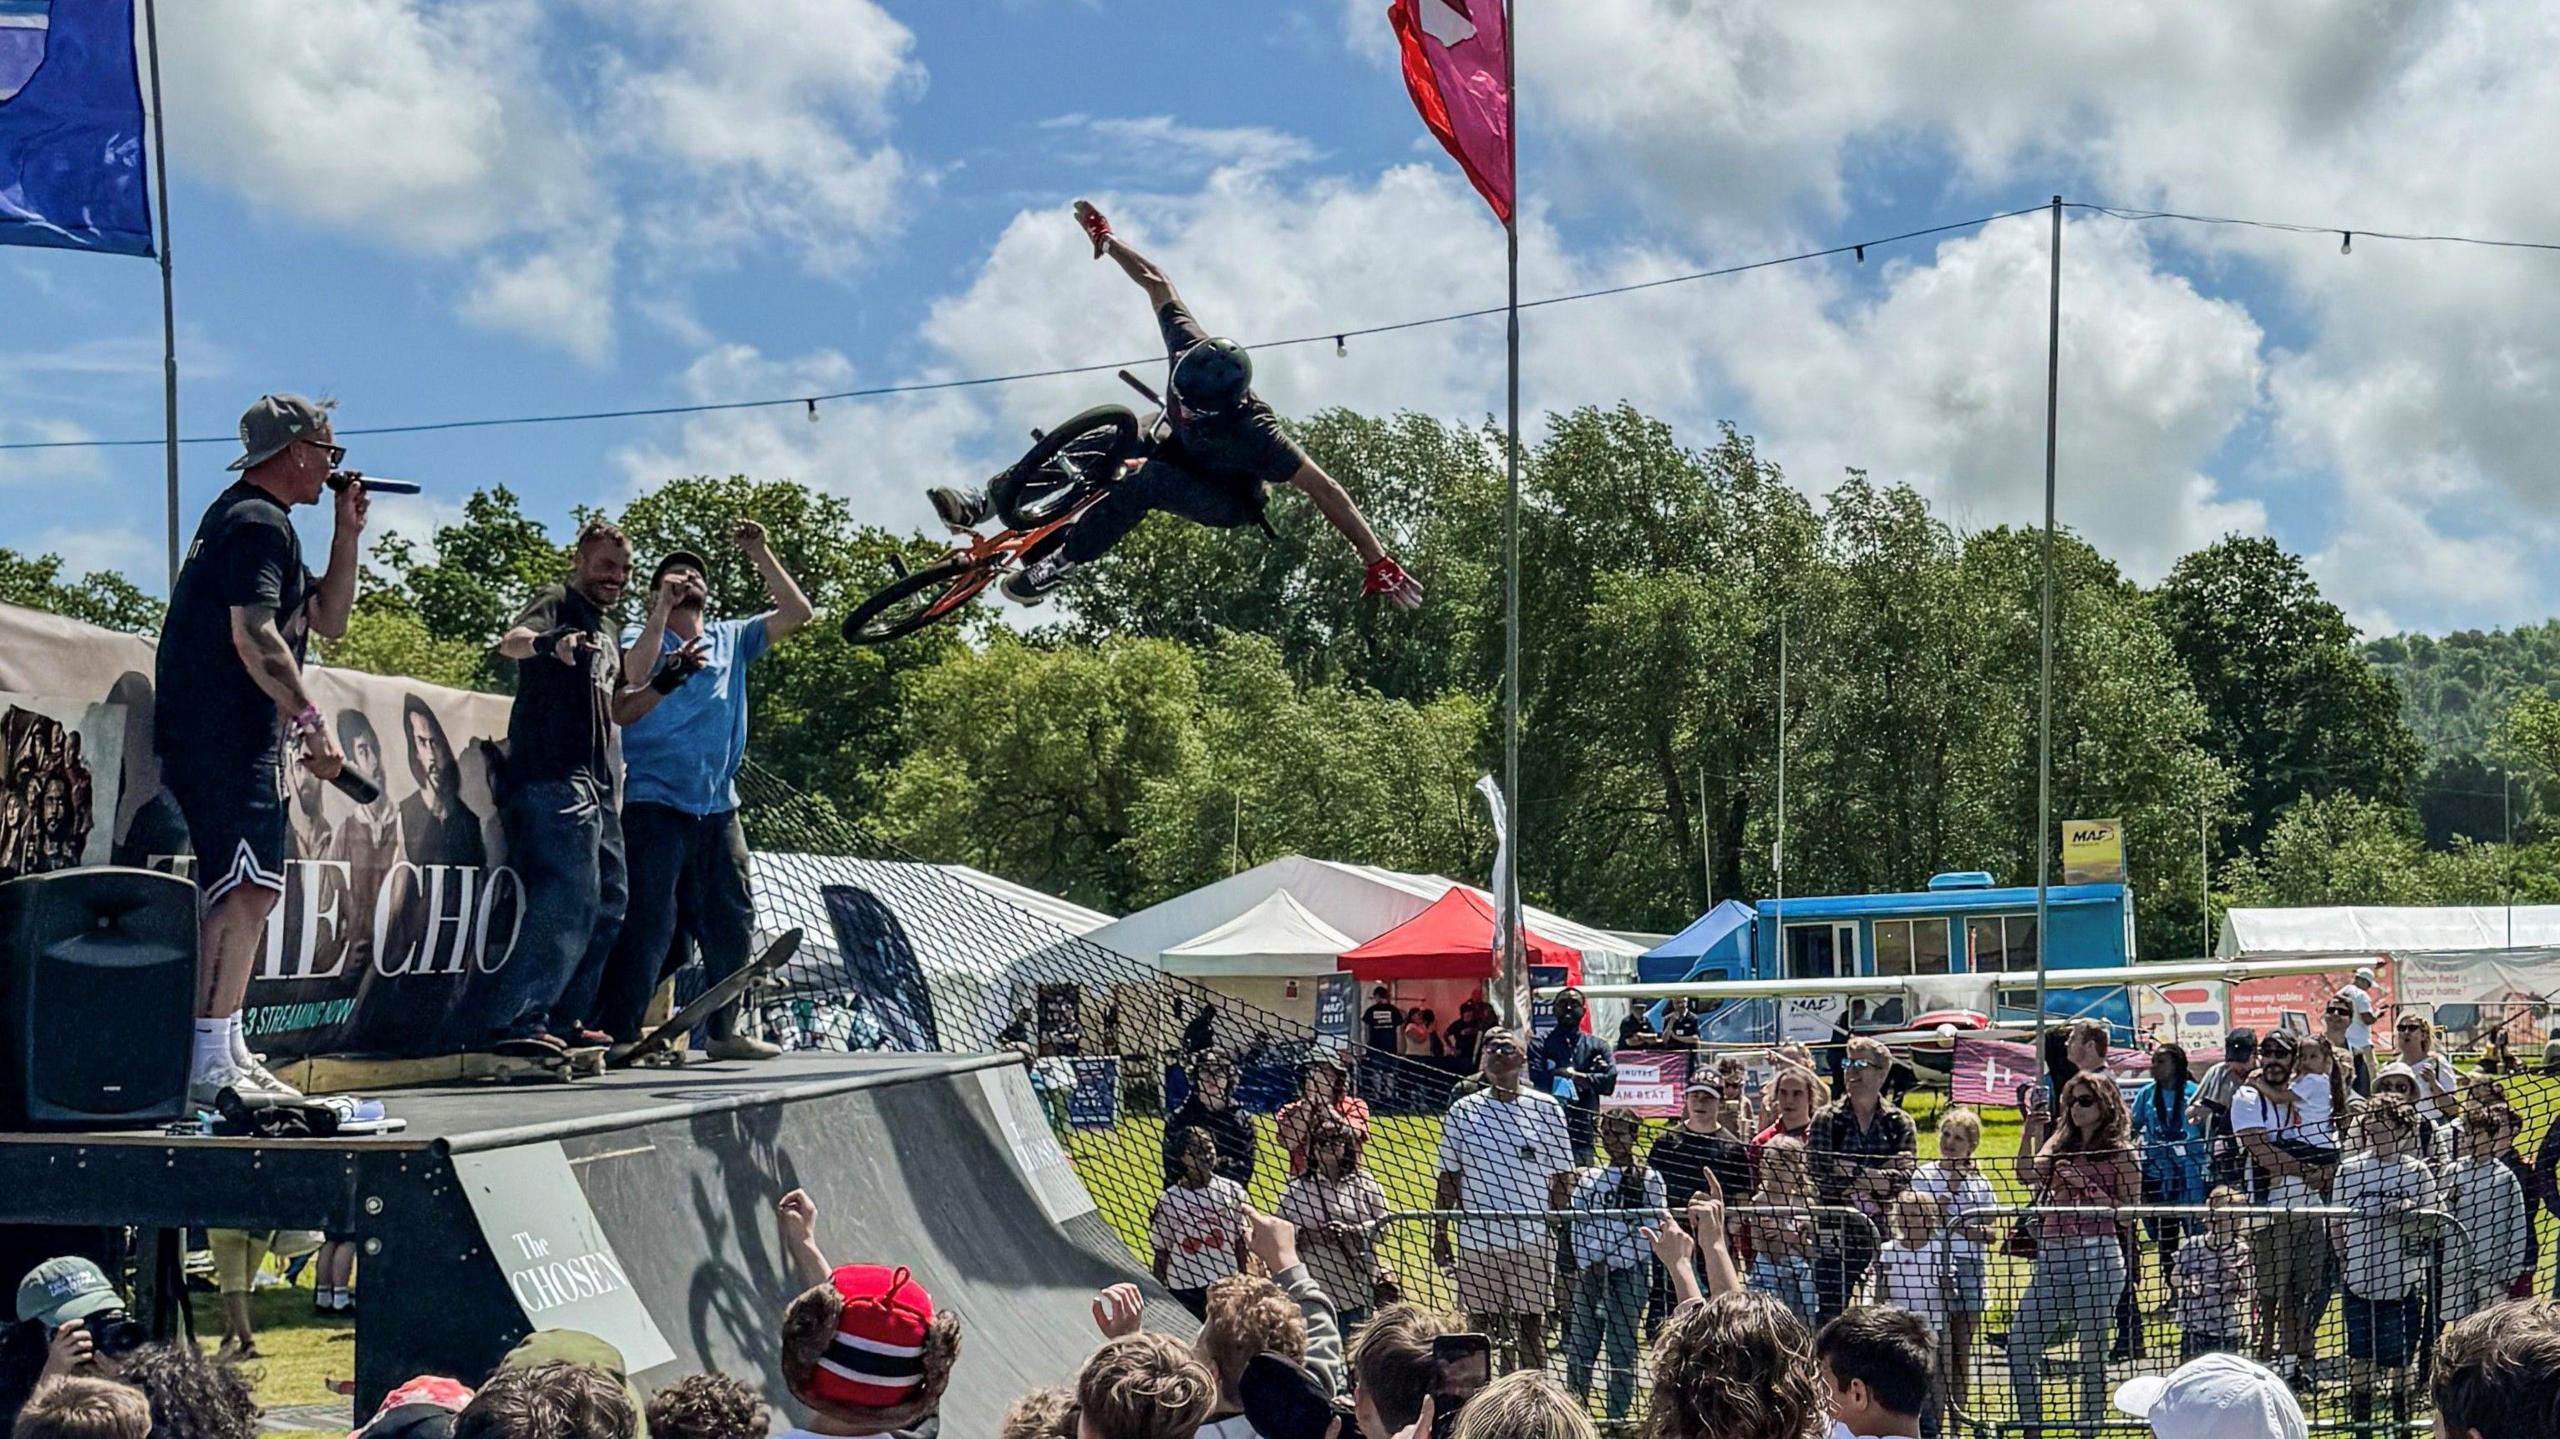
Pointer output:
x,y
1335,995
1650,1082
1094,1102
1989,1071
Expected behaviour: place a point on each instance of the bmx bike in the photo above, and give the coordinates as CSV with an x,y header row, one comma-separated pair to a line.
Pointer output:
x,y
1062,475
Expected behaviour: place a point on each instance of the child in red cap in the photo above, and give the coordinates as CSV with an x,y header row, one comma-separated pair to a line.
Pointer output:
x,y
862,1348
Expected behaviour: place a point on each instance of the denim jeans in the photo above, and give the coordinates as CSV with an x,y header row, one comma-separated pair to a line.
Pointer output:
x,y
564,841
688,883
1790,1278
1607,1310
2073,1289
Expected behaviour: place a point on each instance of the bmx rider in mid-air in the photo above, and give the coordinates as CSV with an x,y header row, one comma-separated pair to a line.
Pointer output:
x,y
1224,452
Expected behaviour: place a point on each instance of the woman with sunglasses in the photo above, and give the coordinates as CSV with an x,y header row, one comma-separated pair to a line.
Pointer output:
x,y
2086,1166
2172,1146
2436,1081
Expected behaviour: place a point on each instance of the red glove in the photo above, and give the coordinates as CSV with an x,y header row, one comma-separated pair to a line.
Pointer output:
x,y
1094,225
1386,577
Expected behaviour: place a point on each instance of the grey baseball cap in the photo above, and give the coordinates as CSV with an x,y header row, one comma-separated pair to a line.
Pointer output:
x,y
272,424
61,1290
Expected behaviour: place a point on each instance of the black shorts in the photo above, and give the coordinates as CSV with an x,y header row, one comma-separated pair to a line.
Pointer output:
x,y
235,823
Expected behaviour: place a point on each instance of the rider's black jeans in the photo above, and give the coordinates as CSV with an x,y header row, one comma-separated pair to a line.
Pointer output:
x,y
1160,485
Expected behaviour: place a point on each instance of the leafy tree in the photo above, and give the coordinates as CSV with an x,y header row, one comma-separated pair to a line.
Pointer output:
x,y
476,576
2294,707
2334,849
101,597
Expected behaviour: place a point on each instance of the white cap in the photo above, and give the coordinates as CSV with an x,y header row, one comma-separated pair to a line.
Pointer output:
x,y
2219,1396
2364,975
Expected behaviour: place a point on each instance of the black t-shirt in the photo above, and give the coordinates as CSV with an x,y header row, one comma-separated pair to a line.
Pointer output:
x,y
1244,446
245,554
1686,1158
562,722
1382,1020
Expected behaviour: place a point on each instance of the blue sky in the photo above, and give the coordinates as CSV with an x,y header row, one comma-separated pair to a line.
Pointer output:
x,y
482,207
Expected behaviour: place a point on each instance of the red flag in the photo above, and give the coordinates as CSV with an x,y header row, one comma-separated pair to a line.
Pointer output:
x,y
1457,64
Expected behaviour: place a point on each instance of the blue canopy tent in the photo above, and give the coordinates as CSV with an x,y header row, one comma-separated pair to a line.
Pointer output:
x,y
1716,945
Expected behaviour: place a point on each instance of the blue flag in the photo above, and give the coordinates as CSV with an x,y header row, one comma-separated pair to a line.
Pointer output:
x,y
71,157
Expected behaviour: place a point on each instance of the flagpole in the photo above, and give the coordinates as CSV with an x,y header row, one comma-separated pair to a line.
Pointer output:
x,y
1514,969
168,287
2044,628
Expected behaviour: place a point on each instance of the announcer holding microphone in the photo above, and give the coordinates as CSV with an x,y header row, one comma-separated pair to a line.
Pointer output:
x,y
229,696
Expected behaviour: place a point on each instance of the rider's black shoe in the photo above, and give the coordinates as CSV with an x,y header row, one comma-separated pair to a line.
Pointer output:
x,y
960,509
1032,584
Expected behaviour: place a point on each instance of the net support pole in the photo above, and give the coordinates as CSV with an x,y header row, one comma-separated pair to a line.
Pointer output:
x,y
2044,625
1515,974
168,284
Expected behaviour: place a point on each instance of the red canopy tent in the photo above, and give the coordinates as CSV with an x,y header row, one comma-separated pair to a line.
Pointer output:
x,y
1453,939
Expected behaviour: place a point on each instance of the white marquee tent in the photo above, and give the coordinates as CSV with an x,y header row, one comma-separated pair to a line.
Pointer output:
x,y
2378,930
1358,902
1266,957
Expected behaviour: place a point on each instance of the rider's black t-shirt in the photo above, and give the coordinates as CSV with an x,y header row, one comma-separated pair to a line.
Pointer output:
x,y
245,555
1244,446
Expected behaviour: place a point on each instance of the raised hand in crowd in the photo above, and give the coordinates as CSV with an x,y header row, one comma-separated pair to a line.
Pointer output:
x,y
749,536
796,1216
1421,1427
1272,1240
1117,1310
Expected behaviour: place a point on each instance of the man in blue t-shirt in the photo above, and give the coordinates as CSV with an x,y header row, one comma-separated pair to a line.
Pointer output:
x,y
680,801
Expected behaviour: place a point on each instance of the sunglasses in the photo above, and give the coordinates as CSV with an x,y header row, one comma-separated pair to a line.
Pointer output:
x,y
1858,1064
2082,1101
337,453
2415,1026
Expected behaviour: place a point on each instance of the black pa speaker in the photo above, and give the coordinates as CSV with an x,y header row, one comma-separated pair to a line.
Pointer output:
x,y
97,998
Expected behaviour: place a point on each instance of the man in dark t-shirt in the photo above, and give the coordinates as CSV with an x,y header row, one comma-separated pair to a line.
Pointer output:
x,y
574,685
1223,452
229,695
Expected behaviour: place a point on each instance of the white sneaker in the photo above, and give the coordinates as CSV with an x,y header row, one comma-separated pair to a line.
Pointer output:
x,y
257,1070
205,1089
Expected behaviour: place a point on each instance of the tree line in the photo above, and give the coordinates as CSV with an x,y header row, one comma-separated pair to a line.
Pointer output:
x,y
1216,699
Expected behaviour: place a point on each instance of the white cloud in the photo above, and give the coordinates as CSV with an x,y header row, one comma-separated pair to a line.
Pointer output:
x,y
880,454
530,146
1160,147
2408,410
91,551
1939,380
47,467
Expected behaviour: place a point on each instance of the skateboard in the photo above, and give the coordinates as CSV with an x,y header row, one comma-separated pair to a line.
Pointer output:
x,y
665,1044
524,1069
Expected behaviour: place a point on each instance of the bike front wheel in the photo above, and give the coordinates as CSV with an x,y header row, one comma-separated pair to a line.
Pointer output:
x,y
911,602
1056,474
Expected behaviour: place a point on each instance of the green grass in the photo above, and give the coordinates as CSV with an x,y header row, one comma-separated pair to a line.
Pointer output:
x,y
299,1352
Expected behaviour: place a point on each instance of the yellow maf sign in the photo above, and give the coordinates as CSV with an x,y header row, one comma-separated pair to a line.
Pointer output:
x,y
2092,851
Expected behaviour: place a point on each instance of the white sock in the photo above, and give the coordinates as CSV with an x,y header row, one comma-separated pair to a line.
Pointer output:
x,y
213,1046
239,1044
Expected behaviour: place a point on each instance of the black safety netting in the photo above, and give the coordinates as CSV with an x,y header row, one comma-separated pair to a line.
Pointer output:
x,y
2333,1241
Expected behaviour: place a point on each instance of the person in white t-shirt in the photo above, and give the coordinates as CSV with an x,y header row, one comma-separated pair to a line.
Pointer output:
x,y
1914,1266
1960,1187
2488,1204
1198,1228
2358,996
2438,1086
1611,1268
1503,1148
2382,1256
2283,1123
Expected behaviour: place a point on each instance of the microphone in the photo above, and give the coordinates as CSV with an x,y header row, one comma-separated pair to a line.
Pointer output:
x,y
356,787
378,484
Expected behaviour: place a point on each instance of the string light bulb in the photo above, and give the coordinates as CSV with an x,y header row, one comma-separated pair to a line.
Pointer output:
x,y
813,410
2346,242
1341,351
1862,253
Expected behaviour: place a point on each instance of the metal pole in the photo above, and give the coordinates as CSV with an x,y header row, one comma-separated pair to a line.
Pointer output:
x,y
168,289
2204,869
1706,839
1778,851
1514,971
2507,871
2044,626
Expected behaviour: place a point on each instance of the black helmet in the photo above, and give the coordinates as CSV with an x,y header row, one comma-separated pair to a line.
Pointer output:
x,y
1212,377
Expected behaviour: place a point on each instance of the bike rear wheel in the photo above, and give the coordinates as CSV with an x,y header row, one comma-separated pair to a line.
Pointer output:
x,y
911,602
1056,474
